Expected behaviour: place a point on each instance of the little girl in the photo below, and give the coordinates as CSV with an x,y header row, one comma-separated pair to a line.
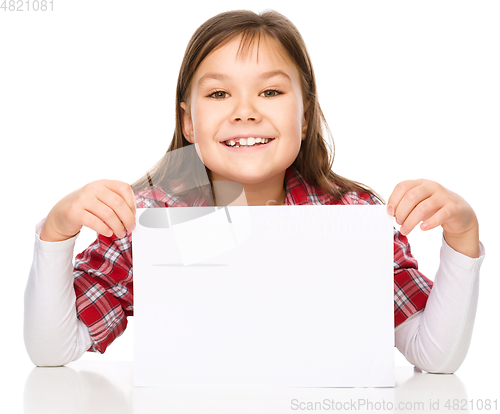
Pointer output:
x,y
246,95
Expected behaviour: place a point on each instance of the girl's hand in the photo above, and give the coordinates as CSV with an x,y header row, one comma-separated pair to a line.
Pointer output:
x,y
414,201
105,206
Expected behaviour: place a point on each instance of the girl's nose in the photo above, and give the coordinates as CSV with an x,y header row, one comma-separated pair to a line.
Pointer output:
x,y
245,111
249,119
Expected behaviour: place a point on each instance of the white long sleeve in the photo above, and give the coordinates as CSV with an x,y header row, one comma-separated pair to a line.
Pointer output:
x,y
52,333
437,339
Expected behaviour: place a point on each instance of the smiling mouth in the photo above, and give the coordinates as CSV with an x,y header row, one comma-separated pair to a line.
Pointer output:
x,y
247,142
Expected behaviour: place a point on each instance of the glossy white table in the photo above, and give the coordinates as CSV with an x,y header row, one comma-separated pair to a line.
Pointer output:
x,y
106,387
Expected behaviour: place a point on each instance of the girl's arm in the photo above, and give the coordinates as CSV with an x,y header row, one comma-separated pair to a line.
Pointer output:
x,y
52,333
437,339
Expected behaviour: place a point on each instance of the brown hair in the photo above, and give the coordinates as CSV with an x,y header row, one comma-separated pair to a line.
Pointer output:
x,y
313,162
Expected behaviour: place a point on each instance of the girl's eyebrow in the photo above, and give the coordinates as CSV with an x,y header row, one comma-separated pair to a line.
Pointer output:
x,y
273,73
216,76
263,76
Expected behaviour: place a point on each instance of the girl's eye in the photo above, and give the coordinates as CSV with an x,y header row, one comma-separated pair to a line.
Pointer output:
x,y
219,95
270,93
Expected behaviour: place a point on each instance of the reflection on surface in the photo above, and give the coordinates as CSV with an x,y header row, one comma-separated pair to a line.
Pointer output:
x,y
90,389
425,392
106,387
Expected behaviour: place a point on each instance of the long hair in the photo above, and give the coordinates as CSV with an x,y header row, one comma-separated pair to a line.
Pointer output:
x,y
314,161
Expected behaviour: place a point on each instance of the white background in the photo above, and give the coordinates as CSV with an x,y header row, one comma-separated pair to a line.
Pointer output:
x,y
87,91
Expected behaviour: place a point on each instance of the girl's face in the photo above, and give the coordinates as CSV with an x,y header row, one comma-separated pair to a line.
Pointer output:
x,y
246,96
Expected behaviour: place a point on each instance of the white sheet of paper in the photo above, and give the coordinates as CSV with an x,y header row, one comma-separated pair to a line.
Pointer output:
x,y
299,296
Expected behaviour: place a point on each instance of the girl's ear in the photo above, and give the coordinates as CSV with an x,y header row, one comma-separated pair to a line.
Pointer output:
x,y
187,123
305,122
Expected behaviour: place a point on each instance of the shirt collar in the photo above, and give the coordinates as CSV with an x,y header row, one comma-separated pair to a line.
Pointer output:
x,y
297,192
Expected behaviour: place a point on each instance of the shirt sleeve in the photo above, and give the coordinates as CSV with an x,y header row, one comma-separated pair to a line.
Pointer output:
x,y
103,288
53,335
411,288
103,280
437,339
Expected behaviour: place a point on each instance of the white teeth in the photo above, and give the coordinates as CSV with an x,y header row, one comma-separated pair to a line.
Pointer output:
x,y
247,141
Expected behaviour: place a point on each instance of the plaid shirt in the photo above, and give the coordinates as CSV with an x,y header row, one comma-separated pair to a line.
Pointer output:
x,y
103,272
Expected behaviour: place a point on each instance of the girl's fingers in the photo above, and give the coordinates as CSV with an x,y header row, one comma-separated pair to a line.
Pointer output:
x,y
438,219
424,210
105,206
398,193
119,206
92,222
124,190
106,214
412,201
119,200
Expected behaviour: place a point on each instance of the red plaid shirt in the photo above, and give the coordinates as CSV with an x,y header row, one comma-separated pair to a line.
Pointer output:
x,y
103,272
